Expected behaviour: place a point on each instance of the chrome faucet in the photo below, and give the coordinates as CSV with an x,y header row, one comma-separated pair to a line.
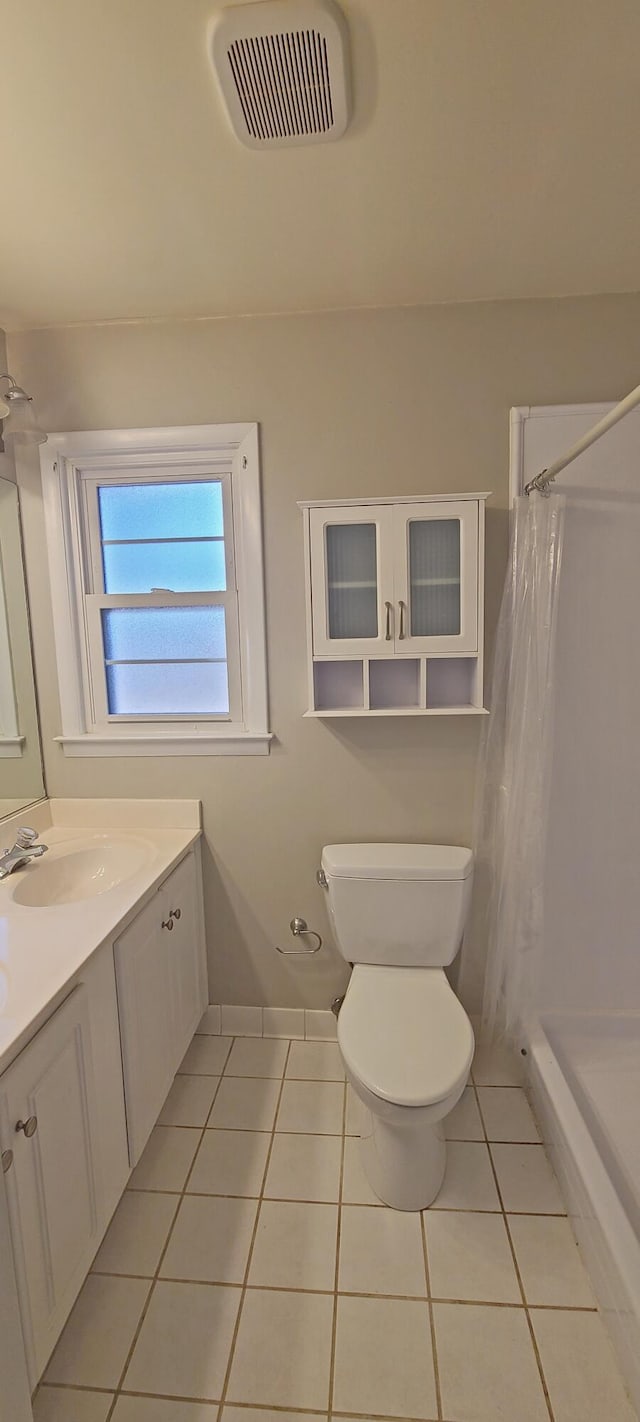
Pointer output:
x,y
23,850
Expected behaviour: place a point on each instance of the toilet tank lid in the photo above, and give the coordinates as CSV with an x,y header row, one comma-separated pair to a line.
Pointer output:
x,y
397,861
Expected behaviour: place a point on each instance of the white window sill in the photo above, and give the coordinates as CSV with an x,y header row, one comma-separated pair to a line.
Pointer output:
x,y
11,747
137,743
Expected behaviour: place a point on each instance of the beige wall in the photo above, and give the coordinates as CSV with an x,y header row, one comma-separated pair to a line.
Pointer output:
x,y
349,404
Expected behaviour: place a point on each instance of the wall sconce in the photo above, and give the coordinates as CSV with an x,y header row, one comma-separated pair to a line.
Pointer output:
x,y
19,420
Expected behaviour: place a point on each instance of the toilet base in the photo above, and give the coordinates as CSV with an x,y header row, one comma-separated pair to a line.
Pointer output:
x,y
404,1164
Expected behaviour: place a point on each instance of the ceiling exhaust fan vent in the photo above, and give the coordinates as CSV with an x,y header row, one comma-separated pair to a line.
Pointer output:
x,y
283,70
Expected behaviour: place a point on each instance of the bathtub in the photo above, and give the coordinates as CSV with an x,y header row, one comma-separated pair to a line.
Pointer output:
x,y
571,1102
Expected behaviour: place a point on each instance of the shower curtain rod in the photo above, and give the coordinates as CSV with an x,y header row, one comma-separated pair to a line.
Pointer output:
x,y
546,476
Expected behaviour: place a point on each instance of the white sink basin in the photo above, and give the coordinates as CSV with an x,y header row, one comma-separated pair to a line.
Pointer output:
x,y
66,876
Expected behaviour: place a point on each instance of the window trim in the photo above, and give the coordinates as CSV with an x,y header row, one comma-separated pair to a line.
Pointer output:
x,y
70,460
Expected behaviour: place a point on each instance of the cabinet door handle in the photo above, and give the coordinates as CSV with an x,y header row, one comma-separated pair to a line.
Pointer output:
x,y
167,923
29,1126
403,608
175,913
7,1161
387,635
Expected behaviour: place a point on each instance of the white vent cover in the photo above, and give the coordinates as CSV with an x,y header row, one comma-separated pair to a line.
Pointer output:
x,y
282,67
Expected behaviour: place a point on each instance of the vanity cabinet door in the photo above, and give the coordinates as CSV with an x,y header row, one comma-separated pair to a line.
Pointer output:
x,y
182,908
47,1115
15,1392
144,979
160,975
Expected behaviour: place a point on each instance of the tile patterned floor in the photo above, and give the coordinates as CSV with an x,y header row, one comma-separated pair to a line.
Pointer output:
x,y
251,1275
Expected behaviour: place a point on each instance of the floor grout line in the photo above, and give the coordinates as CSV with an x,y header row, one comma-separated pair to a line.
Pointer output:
x,y
236,1330
432,1322
244,1406
348,1204
154,1281
334,1321
336,1293
534,1343
344,1293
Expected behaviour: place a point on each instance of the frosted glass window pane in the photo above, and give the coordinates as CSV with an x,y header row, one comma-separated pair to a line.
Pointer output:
x,y
176,510
148,633
434,577
193,689
182,567
352,576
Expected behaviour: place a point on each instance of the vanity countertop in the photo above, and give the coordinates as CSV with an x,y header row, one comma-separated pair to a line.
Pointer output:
x,y
43,948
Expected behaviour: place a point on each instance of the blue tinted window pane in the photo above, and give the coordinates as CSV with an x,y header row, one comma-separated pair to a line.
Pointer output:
x,y
161,510
149,633
196,689
181,567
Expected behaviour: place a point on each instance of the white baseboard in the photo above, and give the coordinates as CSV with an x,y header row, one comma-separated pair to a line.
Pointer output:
x,y
301,1023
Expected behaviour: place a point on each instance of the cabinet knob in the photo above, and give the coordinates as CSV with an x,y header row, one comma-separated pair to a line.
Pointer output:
x,y
7,1161
29,1126
167,923
175,913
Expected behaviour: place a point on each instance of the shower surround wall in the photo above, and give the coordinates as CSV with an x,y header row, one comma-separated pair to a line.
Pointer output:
x,y
350,404
586,1049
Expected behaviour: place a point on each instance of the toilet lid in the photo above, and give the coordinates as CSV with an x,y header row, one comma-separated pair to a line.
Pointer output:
x,y
404,1035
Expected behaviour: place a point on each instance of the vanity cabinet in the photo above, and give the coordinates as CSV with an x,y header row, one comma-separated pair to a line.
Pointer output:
x,y
161,996
78,1103
48,1116
395,605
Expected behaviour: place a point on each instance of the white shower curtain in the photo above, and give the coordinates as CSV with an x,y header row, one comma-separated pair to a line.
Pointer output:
x,y
515,767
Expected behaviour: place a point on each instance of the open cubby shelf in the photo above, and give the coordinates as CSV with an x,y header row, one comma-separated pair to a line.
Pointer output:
x,y
402,686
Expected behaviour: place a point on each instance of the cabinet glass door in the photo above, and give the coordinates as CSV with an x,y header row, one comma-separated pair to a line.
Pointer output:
x,y
436,572
350,562
434,577
352,580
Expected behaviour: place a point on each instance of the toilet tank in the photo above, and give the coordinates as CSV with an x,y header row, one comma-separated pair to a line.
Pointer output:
x,y
398,904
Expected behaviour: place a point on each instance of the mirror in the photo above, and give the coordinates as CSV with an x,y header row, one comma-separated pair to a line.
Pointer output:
x,y
21,776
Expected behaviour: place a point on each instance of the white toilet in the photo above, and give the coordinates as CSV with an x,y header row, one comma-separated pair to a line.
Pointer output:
x,y
398,912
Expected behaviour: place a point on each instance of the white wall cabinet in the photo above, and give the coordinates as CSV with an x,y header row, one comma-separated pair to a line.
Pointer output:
x,y
395,605
48,1112
161,996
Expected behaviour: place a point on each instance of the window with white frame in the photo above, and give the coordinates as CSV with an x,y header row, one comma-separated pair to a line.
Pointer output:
x,y
155,556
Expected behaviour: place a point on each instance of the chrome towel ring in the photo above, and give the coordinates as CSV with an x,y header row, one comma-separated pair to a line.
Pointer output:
x,y
299,927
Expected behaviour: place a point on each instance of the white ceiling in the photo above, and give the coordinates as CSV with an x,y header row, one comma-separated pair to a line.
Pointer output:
x,y
494,152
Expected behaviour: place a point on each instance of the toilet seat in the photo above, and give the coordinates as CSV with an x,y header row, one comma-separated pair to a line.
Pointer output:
x,y
404,1034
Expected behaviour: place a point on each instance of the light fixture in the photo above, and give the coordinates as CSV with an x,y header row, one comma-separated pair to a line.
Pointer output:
x,y
17,412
